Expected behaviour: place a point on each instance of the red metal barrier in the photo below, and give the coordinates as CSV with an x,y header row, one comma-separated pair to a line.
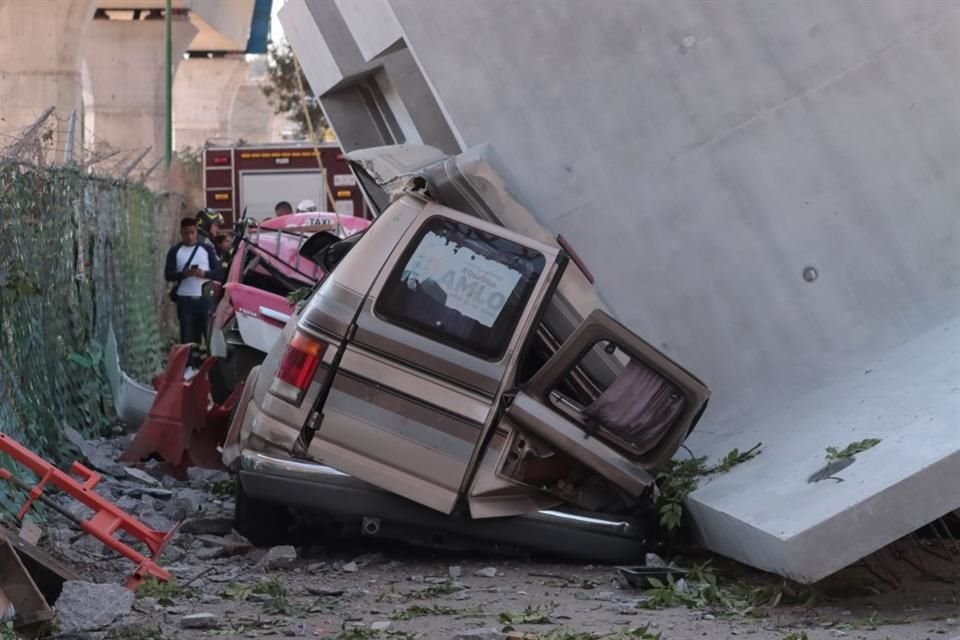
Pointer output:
x,y
107,518
182,427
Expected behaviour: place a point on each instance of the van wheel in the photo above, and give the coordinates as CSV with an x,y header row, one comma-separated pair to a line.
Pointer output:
x,y
264,524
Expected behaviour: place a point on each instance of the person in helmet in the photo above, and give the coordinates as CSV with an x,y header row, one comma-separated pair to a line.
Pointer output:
x,y
223,246
306,205
208,224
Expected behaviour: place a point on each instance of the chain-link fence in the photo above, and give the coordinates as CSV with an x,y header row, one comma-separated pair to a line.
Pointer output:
x,y
79,253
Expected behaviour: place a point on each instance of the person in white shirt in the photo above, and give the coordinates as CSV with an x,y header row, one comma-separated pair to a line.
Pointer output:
x,y
189,264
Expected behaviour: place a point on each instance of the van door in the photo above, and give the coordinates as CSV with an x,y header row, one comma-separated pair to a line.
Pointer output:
x,y
420,378
606,403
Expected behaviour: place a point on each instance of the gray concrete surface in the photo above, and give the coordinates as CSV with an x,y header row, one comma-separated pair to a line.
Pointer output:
x,y
700,156
223,98
40,49
204,91
768,512
224,587
125,62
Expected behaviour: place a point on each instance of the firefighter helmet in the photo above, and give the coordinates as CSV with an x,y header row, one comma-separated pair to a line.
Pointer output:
x,y
206,218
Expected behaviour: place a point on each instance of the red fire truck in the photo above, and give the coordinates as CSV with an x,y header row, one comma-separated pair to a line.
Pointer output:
x,y
254,177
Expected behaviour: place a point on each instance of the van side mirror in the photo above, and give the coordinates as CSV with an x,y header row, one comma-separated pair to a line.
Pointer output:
x,y
315,245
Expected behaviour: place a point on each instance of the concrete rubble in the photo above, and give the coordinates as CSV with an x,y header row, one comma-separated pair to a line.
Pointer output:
x,y
200,621
85,606
480,634
280,557
226,587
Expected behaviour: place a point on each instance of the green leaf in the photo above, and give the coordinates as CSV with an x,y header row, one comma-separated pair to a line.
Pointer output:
x,y
852,449
530,615
80,359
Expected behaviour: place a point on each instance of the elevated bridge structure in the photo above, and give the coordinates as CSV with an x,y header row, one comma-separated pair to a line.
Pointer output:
x,y
104,60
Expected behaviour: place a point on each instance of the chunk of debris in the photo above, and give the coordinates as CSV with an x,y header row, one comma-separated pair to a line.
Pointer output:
x,y
227,576
201,478
454,572
214,526
350,567
200,621
30,531
324,592
486,572
281,557
156,521
481,634
146,605
369,559
94,458
153,492
381,625
20,598
653,560
232,544
87,606
141,476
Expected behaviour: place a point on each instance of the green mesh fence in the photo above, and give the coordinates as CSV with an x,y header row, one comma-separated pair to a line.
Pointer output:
x,y
78,254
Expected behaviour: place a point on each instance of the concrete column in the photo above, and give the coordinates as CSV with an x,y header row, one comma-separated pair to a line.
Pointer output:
x,y
40,52
203,96
252,117
125,59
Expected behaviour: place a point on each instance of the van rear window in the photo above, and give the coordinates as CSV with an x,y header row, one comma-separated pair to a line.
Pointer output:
x,y
462,287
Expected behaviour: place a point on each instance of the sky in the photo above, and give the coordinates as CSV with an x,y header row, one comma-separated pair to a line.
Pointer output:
x,y
276,31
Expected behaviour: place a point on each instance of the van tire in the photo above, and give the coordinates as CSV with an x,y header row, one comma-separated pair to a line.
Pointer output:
x,y
265,524
228,372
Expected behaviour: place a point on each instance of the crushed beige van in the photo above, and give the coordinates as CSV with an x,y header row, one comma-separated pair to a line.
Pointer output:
x,y
445,385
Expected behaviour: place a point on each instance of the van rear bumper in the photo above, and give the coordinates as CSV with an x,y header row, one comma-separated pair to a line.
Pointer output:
x,y
363,509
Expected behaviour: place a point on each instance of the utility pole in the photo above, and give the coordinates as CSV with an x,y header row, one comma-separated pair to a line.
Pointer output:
x,y
168,73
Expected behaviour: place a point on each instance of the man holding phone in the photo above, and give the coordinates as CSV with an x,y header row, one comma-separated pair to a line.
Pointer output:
x,y
189,264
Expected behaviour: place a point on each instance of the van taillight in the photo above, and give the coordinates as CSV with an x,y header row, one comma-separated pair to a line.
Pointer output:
x,y
298,365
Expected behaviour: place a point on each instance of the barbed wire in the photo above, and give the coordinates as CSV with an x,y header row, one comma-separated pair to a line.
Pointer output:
x,y
58,139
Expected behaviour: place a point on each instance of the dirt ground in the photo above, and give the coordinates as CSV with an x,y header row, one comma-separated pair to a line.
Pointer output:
x,y
408,590
358,591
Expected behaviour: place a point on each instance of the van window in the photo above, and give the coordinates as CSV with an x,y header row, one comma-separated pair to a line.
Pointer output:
x,y
461,286
617,396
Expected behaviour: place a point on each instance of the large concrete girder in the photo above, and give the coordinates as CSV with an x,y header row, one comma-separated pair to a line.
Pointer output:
x,y
701,156
126,70
40,53
330,58
345,73
373,26
767,512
